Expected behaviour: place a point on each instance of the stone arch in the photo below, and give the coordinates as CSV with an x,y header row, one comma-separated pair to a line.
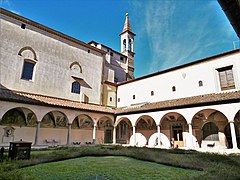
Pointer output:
x,y
145,125
123,130
227,131
82,129
83,121
174,126
76,67
19,116
123,118
210,131
18,123
53,128
208,118
54,119
104,121
30,49
105,130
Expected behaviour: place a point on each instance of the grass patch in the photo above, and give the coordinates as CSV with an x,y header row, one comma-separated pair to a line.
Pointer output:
x,y
107,167
213,166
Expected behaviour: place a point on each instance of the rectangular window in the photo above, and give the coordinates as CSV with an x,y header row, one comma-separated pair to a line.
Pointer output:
x,y
23,26
226,78
27,72
118,99
133,96
152,93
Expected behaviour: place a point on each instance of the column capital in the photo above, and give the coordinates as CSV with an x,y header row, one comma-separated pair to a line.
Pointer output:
x,y
232,121
159,124
189,123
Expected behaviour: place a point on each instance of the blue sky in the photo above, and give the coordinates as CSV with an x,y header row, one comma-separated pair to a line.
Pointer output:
x,y
168,32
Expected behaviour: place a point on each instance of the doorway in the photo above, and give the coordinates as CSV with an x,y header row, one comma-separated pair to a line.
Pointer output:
x,y
177,134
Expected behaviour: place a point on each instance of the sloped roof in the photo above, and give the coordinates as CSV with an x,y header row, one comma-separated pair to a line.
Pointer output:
x,y
194,101
22,97
188,102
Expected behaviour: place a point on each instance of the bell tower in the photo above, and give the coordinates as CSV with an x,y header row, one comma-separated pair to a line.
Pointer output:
x,y
127,47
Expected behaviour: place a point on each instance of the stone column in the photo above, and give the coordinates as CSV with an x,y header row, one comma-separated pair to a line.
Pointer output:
x,y
190,143
233,135
94,133
134,135
114,135
69,134
36,134
159,134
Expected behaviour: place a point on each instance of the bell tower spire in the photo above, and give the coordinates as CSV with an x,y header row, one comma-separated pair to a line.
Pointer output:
x,y
127,46
127,26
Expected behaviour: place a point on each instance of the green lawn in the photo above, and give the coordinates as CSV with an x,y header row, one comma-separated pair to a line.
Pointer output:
x,y
107,167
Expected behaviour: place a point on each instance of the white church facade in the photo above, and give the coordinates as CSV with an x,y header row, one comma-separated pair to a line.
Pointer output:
x,y
57,90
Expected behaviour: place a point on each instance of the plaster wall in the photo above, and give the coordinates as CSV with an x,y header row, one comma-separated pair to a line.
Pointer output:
x,y
24,133
81,135
59,134
185,80
52,75
109,95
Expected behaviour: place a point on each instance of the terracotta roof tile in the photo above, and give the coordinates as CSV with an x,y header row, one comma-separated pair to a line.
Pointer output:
x,y
177,103
23,97
44,100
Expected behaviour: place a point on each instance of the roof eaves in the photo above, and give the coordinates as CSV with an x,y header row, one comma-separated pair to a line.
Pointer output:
x,y
181,66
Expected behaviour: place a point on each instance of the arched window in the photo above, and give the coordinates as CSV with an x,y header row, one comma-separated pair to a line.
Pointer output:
x,y
124,45
30,59
173,88
200,83
76,67
75,87
210,132
130,45
28,68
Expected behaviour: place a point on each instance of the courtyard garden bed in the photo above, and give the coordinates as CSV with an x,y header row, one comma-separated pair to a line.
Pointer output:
x,y
201,165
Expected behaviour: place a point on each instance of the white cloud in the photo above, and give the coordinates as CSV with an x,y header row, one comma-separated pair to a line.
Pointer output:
x,y
16,12
178,32
9,5
5,2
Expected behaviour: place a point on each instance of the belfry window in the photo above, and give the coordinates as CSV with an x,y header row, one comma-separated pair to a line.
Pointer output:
x,y
200,83
124,45
226,78
130,45
76,87
28,68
